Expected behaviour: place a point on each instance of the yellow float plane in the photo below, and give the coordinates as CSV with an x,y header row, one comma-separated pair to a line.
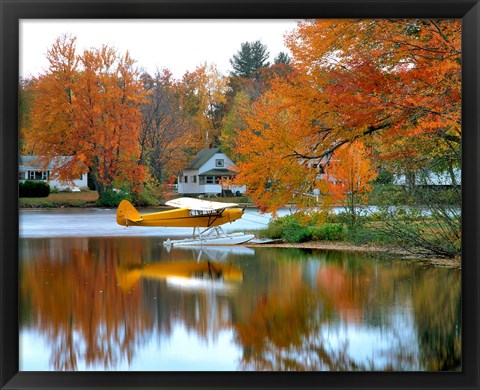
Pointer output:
x,y
189,212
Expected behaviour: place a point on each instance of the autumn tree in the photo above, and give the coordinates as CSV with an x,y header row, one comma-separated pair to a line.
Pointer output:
x,y
25,100
395,83
202,93
165,129
233,122
349,176
241,93
398,78
264,147
86,107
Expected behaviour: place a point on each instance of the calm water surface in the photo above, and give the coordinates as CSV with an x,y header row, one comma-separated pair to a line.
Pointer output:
x,y
92,299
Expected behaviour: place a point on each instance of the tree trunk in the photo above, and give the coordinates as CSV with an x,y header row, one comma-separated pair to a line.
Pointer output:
x,y
99,187
410,182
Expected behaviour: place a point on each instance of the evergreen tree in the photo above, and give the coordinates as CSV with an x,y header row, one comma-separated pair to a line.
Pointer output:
x,y
282,58
251,57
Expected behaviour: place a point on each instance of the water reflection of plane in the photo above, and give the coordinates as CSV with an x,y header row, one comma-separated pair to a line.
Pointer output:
x,y
179,272
217,253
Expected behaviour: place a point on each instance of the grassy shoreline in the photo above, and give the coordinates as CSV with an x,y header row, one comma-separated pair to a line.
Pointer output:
x,y
59,200
387,252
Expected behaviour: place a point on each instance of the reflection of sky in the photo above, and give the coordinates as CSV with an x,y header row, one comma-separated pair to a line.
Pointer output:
x,y
183,350
179,351
366,344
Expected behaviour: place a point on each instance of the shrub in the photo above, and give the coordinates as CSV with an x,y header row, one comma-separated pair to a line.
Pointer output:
x,y
112,198
33,189
389,195
276,227
296,233
288,228
368,235
145,198
329,232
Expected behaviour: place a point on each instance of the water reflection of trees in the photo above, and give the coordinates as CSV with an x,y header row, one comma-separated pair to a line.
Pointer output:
x,y
280,315
76,303
283,334
284,328
437,307
70,293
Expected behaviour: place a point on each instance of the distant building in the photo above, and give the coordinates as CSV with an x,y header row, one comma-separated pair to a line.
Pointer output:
x,y
30,169
204,172
430,179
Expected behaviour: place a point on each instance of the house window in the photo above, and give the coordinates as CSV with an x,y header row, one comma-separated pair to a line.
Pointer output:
x,y
194,179
201,180
210,179
21,175
37,175
219,163
185,179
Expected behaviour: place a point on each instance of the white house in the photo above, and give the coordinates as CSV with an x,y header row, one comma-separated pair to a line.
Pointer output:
x,y
30,169
428,178
202,175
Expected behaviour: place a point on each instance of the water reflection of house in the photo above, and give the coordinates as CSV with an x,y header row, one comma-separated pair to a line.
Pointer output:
x,y
31,168
204,173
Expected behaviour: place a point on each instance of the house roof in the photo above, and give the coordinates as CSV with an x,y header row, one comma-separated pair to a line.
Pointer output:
x,y
202,157
29,161
38,163
218,172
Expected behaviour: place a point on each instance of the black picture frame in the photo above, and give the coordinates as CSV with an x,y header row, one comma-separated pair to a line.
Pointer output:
x,y
13,10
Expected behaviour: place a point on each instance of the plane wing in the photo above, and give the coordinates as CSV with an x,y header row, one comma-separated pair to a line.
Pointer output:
x,y
199,204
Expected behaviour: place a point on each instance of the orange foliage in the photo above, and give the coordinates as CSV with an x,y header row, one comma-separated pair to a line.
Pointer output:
x,y
349,174
87,107
201,92
396,84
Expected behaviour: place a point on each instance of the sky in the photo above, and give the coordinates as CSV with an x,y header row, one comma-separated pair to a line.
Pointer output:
x,y
178,45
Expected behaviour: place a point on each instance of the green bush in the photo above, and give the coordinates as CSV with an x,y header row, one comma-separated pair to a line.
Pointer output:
x,y
296,233
389,195
33,189
145,198
111,198
329,232
276,227
369,235
288,228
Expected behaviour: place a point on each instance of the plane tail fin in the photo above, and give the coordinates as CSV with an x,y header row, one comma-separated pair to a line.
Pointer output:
x,y
126,214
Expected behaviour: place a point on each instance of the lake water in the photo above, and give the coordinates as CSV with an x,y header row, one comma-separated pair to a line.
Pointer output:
x,y
93,297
